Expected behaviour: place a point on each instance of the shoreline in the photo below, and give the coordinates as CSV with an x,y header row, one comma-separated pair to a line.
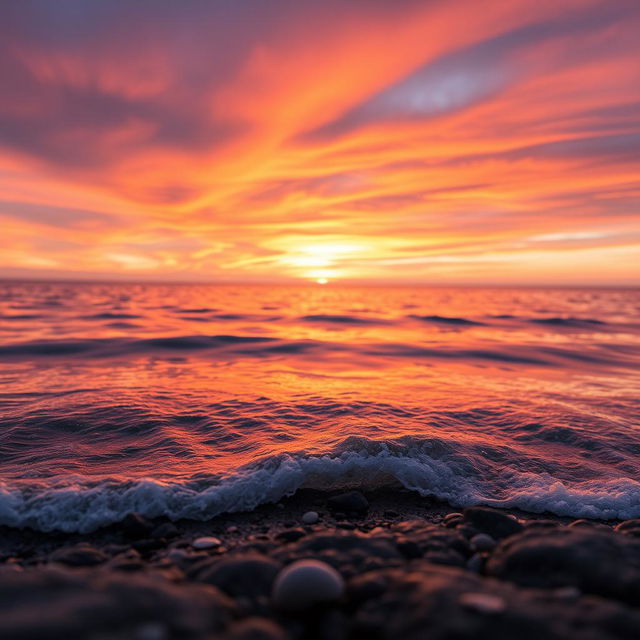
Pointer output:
x,y
407,566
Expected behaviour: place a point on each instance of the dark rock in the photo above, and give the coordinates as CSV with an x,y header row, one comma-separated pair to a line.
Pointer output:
x,y
467,530
135,526
436,544
291,535
126,564
249,575
148,544
81,555
442,603
591,560
389,513
347,526
166,530
348,552
482,542
408,548
50,604
353,501
491,521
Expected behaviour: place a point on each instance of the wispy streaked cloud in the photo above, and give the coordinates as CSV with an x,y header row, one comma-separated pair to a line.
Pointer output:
x,y
416,140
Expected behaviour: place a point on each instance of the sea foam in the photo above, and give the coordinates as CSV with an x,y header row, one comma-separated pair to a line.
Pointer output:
x,y
85,505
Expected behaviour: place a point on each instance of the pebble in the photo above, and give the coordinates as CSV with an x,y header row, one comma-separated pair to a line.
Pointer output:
x,y
232,529
483,602
353,501
305,583
492,522
207,542
249,575
310,517
452,516
80,555
482,542
452,520
291,535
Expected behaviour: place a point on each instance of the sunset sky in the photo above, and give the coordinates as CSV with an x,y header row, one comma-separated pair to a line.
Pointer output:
x,y
408,141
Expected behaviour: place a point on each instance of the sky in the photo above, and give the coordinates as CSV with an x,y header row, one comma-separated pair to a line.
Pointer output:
x,y
384,141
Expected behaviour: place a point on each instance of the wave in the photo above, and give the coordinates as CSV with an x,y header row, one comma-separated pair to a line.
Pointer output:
x,y
341,319
427,467
264,346
579,323
458,322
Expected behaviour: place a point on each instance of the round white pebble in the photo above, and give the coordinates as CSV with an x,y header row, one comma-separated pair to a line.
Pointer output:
x,y
311,517
207,542
306,583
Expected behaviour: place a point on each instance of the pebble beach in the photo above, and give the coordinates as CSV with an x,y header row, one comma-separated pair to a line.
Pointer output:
x,y
327,566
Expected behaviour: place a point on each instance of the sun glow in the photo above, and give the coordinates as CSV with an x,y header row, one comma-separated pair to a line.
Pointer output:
x,y
321,262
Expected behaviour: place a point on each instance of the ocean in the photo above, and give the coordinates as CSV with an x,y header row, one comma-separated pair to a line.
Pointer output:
x,y
193,400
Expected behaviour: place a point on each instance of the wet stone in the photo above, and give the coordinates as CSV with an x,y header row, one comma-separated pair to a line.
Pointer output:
x,y
291,535
48,604
310,517
250,575
166,530
482,542
352,501
305,584
492,522
593,561
81,555
207,542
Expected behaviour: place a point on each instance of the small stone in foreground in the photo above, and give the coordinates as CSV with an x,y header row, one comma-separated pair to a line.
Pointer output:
x,y
310,517
306,583
483,602
207,542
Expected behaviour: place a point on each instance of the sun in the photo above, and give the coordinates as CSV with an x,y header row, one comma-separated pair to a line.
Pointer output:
x,y
322,280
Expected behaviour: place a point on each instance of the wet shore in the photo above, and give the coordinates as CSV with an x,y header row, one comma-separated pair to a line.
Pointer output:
x,y
384,565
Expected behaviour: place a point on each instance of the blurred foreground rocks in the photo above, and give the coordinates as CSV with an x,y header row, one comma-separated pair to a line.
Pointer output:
x,y
354,573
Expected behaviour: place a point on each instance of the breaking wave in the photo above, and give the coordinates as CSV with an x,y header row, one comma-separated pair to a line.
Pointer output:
x,y
425,467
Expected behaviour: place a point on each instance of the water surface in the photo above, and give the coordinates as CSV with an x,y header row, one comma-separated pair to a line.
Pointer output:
x,y
190,400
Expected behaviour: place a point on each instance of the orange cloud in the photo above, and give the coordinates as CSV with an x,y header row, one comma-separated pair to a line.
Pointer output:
x,y
413,141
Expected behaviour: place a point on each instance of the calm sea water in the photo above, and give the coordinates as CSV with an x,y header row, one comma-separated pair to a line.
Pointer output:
x,y
194,400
